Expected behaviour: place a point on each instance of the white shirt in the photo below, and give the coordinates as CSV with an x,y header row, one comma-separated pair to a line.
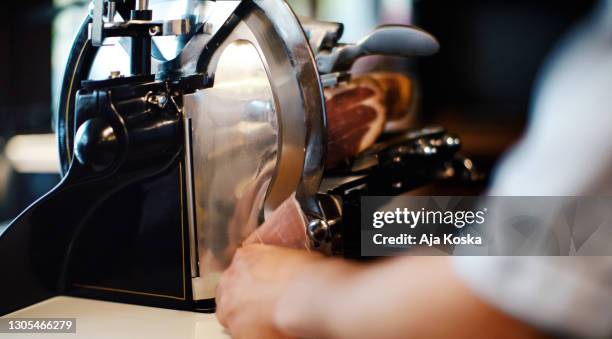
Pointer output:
x,y
567,151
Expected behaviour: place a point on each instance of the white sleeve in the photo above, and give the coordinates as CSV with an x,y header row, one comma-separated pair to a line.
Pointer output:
x,y
570,296
567,151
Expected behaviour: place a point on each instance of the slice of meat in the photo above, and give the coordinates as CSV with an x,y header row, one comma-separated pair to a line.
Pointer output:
x,y
398,98
355,118
286,226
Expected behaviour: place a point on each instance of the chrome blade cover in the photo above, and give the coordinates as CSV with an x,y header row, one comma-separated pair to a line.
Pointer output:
x,y
254,137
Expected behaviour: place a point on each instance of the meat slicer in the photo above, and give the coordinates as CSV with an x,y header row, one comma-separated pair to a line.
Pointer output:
x,y
181,125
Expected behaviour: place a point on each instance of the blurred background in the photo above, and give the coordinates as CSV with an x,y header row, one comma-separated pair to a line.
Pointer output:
x,y
478,86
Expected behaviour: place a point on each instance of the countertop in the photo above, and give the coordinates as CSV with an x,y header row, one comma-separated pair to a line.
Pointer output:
x,y
101,319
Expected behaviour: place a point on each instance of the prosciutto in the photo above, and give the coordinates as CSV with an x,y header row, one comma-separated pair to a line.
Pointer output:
x,y
360,110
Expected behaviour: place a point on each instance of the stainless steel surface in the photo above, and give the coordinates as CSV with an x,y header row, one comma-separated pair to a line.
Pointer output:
x,y
234,149
190,203
97,22
176,27
142,5
325,231
257,135
211,14
159,28
113,54
111,11
321,34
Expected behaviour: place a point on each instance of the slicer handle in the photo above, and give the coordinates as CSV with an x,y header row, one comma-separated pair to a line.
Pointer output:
x,y
398,40
392,40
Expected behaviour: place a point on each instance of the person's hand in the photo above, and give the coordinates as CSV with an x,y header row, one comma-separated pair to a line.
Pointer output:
x,y
255,281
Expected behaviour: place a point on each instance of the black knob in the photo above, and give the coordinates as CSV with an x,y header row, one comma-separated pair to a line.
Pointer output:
x,y
96,144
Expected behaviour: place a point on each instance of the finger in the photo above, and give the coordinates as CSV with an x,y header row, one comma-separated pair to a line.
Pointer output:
x,y
286,227
224,290
221,302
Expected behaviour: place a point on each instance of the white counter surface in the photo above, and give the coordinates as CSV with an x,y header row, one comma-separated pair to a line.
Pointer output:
x,y
100,319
